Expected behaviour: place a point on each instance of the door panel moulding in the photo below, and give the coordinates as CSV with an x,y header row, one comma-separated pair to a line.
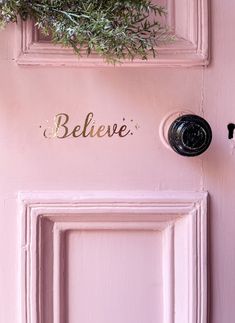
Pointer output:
x,y
179,217
188,21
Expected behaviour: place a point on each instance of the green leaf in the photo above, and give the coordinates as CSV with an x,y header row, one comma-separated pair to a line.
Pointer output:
x,y
116,30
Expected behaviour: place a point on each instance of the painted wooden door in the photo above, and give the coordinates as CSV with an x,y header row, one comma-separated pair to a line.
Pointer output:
x,y
116,228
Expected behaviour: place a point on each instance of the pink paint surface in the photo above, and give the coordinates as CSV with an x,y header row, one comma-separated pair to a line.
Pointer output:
x,y
31,96
118,274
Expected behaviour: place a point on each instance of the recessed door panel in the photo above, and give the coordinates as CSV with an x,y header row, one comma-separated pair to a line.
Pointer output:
x,y
113,276
132,258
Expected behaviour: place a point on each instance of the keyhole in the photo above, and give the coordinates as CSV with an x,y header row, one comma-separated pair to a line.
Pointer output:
x,y
231,128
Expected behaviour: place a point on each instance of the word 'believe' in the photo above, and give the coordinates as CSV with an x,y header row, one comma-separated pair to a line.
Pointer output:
x,y
61,129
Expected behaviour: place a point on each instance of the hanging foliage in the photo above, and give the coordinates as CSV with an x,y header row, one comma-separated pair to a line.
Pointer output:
x,y
113,29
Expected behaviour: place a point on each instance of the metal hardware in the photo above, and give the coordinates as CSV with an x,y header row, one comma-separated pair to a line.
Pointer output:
x,y
189,135
231,128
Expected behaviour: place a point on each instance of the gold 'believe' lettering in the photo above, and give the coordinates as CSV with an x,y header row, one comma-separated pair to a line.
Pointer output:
x,y
62,130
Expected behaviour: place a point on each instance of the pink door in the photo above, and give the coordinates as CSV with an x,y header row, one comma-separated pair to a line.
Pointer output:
x,y
101,221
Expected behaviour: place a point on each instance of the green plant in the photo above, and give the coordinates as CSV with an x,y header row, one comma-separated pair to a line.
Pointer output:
x,y
116,30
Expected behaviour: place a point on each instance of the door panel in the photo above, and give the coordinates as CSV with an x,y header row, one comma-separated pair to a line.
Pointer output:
x,y
113,276
187,20
93,258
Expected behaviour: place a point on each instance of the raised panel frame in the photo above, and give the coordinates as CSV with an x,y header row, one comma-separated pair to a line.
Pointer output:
x,y
159,211
190,49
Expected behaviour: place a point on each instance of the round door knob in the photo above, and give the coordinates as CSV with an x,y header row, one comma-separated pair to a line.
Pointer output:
x,y
189,135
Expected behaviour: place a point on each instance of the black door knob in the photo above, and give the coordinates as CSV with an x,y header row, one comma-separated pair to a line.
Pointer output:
x,y
189,135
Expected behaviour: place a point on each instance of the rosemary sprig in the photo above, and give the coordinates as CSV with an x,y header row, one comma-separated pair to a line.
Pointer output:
x,y
115,29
